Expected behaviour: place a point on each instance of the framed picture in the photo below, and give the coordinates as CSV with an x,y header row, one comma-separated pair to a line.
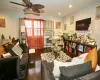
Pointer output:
x,y
65,26
98,12
58,25
2,23
72,20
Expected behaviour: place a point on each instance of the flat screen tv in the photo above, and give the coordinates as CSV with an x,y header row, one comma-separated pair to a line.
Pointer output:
x,y
83,25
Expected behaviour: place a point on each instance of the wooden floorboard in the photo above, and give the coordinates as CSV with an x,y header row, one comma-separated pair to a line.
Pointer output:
x,y
34,66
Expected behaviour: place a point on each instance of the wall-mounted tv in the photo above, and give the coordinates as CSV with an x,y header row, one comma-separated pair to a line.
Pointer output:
x,y
83,25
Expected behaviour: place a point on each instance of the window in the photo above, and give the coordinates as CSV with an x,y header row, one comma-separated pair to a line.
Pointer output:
x,y
28,24
37,27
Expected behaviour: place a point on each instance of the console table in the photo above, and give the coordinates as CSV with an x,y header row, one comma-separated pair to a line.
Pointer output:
x,y
74,48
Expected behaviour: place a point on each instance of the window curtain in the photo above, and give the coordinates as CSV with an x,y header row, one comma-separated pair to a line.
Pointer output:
x,y
34,33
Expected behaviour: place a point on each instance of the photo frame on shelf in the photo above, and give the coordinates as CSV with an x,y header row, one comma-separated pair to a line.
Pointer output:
x,y
72,20
58,25
2,23
97,12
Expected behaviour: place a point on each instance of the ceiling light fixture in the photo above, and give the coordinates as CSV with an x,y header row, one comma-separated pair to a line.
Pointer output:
x,y
70,6
59,13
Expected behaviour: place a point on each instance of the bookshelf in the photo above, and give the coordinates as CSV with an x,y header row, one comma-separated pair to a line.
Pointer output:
x,y
74,48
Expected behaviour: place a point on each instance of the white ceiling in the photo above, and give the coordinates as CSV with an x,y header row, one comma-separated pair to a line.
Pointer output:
x,y
52,7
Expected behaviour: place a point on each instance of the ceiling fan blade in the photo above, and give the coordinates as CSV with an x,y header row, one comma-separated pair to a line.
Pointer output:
x,y
38,6
17,3
35,10
26,1
33,14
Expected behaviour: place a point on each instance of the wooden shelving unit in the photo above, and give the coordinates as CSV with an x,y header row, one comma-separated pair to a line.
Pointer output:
x,y
74,48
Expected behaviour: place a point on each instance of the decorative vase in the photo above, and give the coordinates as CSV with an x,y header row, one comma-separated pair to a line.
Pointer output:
x,y
2,37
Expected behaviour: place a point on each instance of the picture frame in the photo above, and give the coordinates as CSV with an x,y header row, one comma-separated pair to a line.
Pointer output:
x,y
2,23
58,25
72,20
97,12
65,26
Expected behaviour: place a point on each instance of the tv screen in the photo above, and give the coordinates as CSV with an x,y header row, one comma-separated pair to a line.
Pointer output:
x,y
83,24
80,48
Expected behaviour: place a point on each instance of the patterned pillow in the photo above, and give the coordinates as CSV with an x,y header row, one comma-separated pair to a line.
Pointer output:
x,y
18,51
92,56
49,57
63,57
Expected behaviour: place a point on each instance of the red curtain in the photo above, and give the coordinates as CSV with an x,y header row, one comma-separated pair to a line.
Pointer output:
x,y
34,33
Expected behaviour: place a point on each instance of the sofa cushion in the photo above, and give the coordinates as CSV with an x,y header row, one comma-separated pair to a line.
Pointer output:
x,y
71,72
24,61
91,76
92,56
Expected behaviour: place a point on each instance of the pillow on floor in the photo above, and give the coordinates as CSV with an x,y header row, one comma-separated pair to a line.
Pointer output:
x,y
92,56
72,72
18,51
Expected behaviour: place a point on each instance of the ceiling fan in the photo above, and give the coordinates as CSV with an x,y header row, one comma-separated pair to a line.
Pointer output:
x,y
35,8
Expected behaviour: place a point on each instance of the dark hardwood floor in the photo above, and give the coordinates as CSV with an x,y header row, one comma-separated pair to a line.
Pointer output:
x,y
34,65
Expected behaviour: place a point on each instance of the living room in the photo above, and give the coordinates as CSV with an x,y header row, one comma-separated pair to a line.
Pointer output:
x,y
64,12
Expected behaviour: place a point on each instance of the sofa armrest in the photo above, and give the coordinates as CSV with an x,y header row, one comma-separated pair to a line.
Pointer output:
x,y
46,74
9,68
25,48
91,76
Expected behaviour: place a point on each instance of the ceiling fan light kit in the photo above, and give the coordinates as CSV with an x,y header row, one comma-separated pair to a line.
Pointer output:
x,y
35,8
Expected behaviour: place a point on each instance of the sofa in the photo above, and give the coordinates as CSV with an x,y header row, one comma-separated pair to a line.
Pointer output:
x,y
47,71
47,68
14,68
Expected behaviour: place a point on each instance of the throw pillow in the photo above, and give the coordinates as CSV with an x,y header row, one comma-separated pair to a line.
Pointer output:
x,y
57,64
18,51
8,48
2,51
71,72
82,56
92,56
97,68
63,57
7,55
